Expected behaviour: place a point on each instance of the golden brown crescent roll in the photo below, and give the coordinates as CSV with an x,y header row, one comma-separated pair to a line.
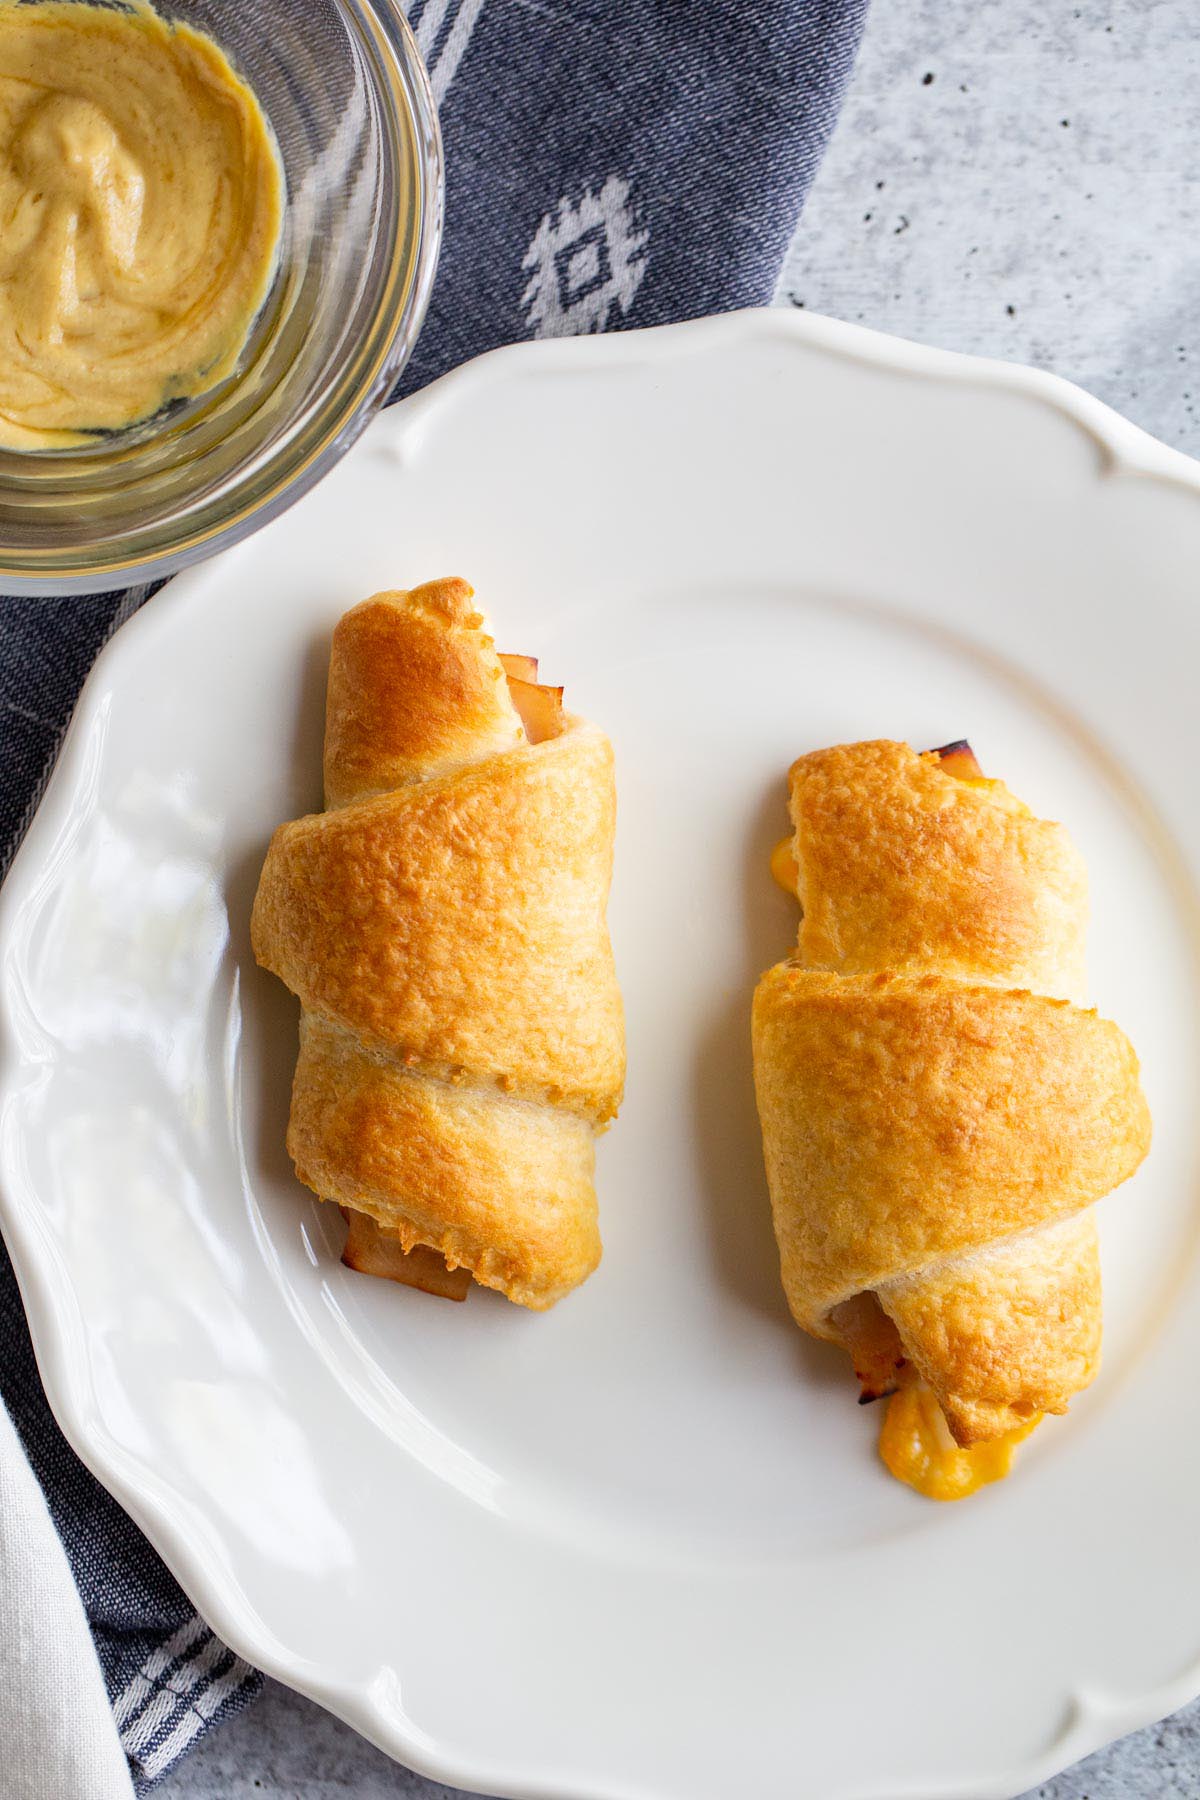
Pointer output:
x,y
443,924
938,1111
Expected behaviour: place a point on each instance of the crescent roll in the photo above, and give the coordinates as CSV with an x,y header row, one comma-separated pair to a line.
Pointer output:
x,y
443,924
939,1110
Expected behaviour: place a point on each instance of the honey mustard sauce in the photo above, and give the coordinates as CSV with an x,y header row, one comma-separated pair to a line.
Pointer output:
x,y
141,201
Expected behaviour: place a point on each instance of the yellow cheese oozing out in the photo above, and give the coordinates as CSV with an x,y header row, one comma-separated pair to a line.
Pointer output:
x,y
783,866
917,1448
141,194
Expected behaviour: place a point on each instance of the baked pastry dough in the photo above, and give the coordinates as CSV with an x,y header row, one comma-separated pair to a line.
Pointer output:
x,y
938,1110
442,922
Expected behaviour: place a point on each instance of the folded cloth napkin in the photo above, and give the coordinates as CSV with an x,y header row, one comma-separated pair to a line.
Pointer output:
x,y
54,1712
609,163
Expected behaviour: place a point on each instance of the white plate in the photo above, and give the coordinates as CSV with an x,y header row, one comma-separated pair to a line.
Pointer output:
x,y
639,1549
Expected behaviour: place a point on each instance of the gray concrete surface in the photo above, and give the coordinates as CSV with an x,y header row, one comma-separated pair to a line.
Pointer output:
x,y
1020,180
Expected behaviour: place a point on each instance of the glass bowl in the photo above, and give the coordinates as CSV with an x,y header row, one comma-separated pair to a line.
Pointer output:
x,y
345,90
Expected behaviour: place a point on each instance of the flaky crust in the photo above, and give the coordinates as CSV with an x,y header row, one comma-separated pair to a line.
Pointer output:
x,y
1038,1296
442,923
460,921
906,868
935,1135
499,1186
415,689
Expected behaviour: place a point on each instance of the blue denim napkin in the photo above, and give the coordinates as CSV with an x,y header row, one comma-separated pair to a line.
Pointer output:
x,y
609,163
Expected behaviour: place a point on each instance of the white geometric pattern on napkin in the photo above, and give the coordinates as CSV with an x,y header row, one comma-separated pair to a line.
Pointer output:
x,y
587,257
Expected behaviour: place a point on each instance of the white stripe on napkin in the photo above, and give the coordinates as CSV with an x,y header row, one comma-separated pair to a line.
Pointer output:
x,y
175,1689
134,1697
446,67
199,1712
429,28
442,46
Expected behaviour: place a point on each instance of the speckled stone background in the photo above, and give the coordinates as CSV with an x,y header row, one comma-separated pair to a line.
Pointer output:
x,y
1016,179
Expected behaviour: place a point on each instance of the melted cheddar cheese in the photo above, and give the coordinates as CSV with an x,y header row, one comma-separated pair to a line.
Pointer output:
x,y
783,866
917,1448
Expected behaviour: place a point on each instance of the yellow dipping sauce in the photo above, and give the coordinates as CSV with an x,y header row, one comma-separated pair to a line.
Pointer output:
x,y
141,200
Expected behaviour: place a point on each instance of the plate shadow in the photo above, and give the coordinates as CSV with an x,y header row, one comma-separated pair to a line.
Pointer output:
x,y
725,1115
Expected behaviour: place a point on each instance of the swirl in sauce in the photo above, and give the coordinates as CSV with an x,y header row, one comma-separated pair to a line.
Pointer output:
x,y
141,200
